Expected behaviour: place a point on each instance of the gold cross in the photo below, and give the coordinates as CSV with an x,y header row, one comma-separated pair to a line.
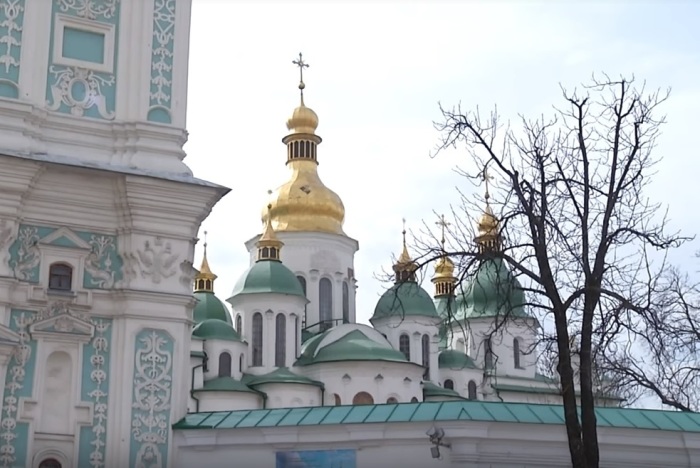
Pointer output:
x,y
444,225
205,242
403,232
486,177
301,64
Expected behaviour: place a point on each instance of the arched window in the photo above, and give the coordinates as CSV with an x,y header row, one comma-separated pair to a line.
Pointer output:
x,y
488,354
405,346
60,277
208,284
240,362
516,353
425,352
471,390
336,399
363,398
346,302
280,340
239,324
296,336
50,463
224,365
414,400
302,280
257,340
325,303
392,400
449,384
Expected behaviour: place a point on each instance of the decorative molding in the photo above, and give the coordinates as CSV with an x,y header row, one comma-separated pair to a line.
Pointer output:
x,y
89,9
7,237
188,272
14,435
157,260
74,89
95,390
101,261
79,90
162,54
25,255
11,26
150,413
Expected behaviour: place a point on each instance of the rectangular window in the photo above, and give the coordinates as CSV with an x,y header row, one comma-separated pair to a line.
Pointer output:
x,y
83,45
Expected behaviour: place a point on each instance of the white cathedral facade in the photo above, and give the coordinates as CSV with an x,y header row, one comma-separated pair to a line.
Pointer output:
x,y
108,359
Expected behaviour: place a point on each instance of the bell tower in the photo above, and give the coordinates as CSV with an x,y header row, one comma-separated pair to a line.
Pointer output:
x,y
111,72
98,222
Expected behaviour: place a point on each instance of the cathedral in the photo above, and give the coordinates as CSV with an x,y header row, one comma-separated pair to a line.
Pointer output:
x,y
109,358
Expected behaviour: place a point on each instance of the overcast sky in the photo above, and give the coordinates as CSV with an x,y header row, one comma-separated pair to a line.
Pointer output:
x,y
378,71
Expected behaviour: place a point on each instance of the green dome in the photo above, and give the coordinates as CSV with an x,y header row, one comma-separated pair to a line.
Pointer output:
x,y
432,390
215,329
453,359
404,300
210,307
268,276
353,346
493,291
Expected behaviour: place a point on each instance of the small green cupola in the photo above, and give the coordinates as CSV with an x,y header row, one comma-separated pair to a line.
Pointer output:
x,y
208,305
268,274
493,291
406,297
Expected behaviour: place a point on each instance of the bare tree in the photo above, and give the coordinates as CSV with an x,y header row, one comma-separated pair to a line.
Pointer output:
x,y
584,241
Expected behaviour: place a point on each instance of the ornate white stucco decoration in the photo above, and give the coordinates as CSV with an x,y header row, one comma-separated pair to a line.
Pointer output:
x,y
162,54
157,260
188,272
98,394
151,399
99,263
7,236
89,9
79,89
11,9
28,254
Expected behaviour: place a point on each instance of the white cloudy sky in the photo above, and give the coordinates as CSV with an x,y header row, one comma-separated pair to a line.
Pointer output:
x,y
378,70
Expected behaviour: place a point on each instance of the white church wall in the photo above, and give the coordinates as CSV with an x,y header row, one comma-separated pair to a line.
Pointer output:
x,y
286,395
382,380
313,256
471,444
214,350
269,306
228,401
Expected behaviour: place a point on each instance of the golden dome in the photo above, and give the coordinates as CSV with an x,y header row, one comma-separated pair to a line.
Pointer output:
x,y
303,120
405,268
269,245
304,203
444,268
489,238
204,279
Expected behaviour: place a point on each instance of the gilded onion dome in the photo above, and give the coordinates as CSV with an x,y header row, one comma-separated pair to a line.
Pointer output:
x,y
444,278
304,203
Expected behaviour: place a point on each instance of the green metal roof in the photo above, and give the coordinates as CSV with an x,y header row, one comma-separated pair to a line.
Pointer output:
x,y
432,390
224,384
209,307
453,359
268,276
405,300
493,291
427,412
281,375
215,329
354,346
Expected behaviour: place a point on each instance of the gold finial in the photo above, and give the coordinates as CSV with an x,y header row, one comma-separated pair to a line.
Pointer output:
x,y
404,267
269,245
301,64
204,279
444,279
489,238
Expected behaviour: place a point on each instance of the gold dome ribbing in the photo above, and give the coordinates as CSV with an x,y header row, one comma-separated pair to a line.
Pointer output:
x,y
304,203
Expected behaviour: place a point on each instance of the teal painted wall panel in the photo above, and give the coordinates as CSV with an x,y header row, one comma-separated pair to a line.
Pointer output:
x,y
151,399
83,45
162,54
94,388
81,91
104,267
19,380
11,25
